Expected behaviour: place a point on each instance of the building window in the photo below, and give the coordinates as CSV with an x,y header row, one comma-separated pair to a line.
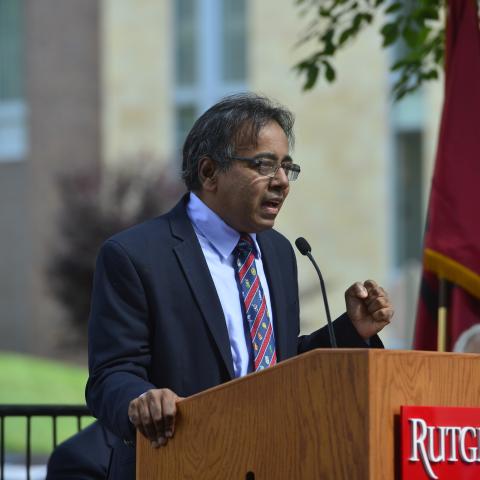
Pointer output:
x,y
12,105
408,196
185,29
234,58
407,121
210,56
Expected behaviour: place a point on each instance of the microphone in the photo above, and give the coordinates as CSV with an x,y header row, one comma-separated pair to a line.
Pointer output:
x,y
305,249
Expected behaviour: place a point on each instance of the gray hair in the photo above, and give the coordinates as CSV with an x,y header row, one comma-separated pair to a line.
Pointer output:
x,y
236,119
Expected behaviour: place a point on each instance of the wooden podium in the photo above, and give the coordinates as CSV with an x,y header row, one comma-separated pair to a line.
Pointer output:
x,y
327,414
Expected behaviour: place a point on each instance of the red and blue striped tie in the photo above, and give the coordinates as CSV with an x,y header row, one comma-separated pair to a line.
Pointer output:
x,y
255,305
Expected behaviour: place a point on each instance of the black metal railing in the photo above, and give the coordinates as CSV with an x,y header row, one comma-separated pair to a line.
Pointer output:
x,y
30,411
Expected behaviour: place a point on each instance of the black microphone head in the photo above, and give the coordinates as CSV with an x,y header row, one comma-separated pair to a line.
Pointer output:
x,y
302,245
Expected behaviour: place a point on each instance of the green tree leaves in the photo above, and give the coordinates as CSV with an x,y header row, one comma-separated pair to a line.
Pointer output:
x,y
413,27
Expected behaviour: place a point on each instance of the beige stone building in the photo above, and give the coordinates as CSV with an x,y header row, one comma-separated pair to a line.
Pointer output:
x,y
114,79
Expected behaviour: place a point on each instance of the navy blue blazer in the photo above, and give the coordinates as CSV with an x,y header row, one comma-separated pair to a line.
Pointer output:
x,y
156,320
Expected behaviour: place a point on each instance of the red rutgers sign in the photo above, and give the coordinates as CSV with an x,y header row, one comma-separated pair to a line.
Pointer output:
x,y
440,443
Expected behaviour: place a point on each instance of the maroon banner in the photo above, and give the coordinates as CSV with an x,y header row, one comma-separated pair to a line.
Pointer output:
x,y
452,238
440,443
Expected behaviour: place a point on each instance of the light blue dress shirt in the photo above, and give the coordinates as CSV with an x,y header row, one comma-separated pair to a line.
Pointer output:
x,y
218,241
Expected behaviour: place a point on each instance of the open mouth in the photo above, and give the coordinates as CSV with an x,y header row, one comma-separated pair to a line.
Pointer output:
x,y
272,206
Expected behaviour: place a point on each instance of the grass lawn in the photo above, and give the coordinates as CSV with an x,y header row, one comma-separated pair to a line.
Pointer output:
x,y
31,380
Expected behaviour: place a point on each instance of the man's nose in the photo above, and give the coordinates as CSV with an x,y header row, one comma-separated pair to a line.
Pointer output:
x,y
280,179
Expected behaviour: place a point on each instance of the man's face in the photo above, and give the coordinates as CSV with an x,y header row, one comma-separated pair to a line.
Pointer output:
x,y
246,200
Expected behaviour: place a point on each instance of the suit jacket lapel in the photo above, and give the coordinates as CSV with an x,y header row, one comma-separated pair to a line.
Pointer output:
x,y
271,266
195,269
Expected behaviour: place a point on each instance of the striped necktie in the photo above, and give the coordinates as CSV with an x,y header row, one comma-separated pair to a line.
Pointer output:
x,y
255,305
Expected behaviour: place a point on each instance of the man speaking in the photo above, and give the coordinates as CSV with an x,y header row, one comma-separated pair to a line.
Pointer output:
x,y
207,292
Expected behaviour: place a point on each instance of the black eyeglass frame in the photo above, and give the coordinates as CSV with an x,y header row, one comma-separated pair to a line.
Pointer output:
x,y
292,170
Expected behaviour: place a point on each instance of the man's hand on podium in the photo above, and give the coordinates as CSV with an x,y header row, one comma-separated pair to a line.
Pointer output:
x,y
153,414
368,307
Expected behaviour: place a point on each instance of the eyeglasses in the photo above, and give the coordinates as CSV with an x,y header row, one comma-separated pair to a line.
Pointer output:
x,y
268,167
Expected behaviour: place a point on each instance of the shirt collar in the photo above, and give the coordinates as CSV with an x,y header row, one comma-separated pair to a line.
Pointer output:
x,y
209,225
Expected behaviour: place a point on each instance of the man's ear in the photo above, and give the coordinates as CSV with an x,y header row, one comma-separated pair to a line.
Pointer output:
x,y
207,174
